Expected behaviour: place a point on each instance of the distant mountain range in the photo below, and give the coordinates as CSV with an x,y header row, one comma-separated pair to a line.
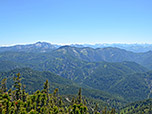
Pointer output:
x,y
37,47
45,47
112,70
129,47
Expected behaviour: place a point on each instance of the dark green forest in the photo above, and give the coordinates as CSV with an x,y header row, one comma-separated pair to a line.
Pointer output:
x,y
112,80
18,101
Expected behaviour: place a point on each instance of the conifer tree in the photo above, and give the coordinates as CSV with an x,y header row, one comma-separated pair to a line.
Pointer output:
x,y
23,94
17,85
19,102
113,111
3,85
96,110
46,89
79,96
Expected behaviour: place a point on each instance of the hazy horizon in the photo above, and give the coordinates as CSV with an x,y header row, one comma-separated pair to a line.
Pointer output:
x,y
62,44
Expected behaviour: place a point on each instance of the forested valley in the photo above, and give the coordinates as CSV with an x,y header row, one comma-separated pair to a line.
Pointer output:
x,y
44,78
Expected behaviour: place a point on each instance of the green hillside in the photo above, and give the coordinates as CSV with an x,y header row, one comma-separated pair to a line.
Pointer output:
x,y
9,65
108,54
140,107
132,86
103,76
34,80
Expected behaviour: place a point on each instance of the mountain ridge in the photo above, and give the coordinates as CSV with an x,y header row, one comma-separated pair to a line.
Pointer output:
x,y
106,69
36,47
137,48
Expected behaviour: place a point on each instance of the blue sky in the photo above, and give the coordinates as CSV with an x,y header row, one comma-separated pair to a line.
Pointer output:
x,y
75,21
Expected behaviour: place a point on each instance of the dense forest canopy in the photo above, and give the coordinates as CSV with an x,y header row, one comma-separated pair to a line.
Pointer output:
x,y
111,79
18,101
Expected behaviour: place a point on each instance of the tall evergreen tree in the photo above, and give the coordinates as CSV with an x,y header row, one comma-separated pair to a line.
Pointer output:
x,y
23,94
3,85
46,90
79,99
17,86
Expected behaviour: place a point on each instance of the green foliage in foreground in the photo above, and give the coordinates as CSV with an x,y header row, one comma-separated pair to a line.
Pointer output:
x,y
34,80
17,101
